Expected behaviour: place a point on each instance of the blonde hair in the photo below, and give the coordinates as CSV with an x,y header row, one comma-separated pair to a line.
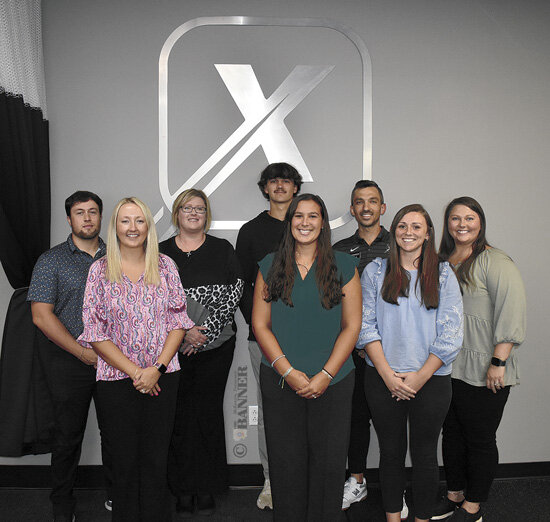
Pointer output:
x,y
150,246
183,198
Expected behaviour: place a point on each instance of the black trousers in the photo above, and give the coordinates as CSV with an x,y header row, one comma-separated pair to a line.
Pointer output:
x,y
425,415
359,439
72,385
307,443
470,453
140,427
197,458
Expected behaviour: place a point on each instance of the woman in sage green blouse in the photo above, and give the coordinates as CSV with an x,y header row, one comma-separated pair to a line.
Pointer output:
x,y
306,318
487,366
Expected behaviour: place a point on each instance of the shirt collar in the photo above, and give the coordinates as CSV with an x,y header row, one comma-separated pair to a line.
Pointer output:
x,y
383,235
73,248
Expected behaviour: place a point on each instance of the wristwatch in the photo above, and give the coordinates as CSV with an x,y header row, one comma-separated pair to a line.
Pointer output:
x,y
160,367
495,361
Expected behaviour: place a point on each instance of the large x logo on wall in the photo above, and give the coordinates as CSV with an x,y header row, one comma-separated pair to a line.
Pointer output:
x,y
263,123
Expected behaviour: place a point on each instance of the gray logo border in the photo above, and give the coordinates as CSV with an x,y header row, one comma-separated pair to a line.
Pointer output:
x,y
259,21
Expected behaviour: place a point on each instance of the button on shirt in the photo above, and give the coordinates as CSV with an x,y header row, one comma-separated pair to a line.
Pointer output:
x,y
59,278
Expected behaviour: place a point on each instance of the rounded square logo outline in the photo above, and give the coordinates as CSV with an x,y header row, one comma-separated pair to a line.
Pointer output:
x,y
167,197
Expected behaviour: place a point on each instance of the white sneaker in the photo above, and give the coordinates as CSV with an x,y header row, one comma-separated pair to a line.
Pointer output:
x,y
405,510
264,498
354,492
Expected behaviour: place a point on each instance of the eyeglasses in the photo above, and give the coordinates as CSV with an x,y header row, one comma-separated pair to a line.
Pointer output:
x,y
198,210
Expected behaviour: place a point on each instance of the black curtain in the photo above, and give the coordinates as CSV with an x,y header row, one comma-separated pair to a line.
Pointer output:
x,y
25,407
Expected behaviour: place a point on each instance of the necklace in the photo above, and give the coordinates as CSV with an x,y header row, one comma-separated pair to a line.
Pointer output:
x,y
304,266
179,244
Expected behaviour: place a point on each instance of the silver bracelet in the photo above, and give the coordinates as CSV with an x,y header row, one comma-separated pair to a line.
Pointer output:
x,y
327,374
276,359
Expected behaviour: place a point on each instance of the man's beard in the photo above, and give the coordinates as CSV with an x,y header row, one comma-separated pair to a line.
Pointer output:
x,y
87,235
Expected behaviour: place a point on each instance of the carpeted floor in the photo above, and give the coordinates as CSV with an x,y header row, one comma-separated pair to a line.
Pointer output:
x,y
518,500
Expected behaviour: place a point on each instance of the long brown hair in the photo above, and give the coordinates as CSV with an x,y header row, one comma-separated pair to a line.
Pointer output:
x,y
280,279
397,279
447,245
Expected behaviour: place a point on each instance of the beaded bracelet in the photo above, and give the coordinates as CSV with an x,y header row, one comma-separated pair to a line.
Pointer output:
x,y
284,376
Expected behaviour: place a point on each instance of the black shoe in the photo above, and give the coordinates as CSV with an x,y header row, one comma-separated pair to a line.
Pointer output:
x,y
205,504
461,515
185,506
445,508
64,518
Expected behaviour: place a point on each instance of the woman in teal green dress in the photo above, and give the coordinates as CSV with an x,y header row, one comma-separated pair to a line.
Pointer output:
x,y
306,318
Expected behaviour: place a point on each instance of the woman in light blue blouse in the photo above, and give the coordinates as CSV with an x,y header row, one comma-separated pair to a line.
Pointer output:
x,y
411,331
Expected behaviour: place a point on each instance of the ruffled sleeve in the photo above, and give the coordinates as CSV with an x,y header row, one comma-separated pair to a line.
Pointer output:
x,y
507,293
370,283
94,314
449,317
176,315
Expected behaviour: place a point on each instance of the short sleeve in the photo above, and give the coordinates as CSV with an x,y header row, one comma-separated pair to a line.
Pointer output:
x,y
346,265
94,314
43,287
265,265
369,287
507,293
177,317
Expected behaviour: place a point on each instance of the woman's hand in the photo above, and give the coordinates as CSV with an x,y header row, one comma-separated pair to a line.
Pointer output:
x,y
413,380
188,349
145,380
297,380
495,377
316,387
195,337
397,387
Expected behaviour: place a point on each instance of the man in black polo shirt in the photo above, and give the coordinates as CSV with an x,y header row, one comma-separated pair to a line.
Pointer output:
x,y
56,293
370,240
279,183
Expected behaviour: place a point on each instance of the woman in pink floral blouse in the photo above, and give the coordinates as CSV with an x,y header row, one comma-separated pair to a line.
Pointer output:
x,y
135,319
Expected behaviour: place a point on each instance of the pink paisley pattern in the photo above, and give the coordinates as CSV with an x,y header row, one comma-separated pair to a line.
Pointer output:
x,y
134,316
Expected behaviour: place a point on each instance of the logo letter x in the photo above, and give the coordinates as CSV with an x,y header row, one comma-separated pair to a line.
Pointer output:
x,y
263,121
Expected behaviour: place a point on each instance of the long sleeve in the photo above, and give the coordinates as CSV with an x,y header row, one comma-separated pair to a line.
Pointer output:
x,y
507,293
369,284
249,268
449,317
176,313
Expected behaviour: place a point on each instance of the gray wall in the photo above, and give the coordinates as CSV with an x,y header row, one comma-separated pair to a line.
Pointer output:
x,y
460,106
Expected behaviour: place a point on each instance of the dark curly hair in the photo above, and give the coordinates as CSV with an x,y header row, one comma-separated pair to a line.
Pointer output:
x,y
279,170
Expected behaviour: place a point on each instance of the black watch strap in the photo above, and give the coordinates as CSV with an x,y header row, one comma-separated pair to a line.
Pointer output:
x,y
160,367
495,361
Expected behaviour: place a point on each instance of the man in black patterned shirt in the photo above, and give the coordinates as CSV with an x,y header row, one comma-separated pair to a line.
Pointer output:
x,y
370,240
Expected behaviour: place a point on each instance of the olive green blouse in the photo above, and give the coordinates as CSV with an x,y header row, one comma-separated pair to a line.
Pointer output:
x,y
306,332
494,312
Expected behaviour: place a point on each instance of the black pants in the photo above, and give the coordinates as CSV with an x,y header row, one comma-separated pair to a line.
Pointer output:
x,y
72,386
197,458
307,442
359,439
425,414
470,453
139,426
